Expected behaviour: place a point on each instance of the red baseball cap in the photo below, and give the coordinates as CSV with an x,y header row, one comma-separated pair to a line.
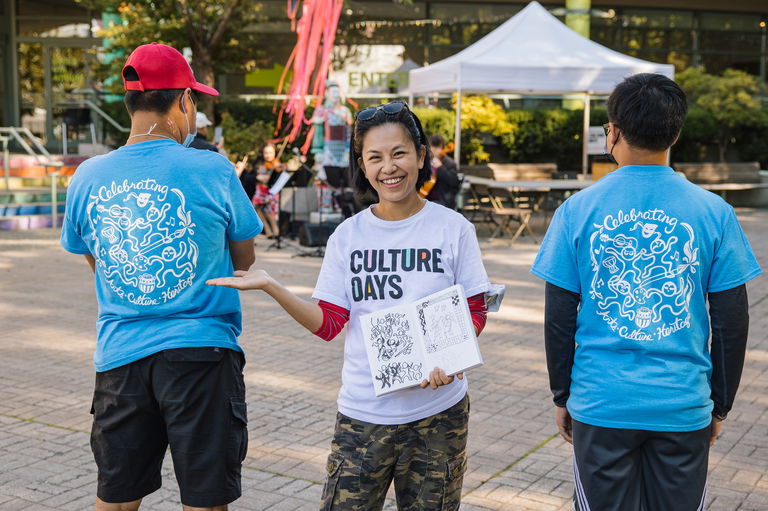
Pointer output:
x,y
162,67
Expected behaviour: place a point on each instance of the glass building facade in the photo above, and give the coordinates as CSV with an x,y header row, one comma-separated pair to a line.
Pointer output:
x,y
47,46
683,33
47,51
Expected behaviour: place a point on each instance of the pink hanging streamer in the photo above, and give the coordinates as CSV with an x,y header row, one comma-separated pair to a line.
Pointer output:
x,y
310,62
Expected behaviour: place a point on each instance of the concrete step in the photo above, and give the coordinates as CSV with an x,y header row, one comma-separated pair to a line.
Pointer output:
x,y
26,222
26,166
38,171
33,182
31,196
29,208
10,210
25,160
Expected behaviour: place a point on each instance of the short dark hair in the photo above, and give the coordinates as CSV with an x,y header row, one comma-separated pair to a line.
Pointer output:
x,y
412,126
437,140
649,109
154,100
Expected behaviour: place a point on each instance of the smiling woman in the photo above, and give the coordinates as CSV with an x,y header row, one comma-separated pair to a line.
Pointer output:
x,y
399,250
390,159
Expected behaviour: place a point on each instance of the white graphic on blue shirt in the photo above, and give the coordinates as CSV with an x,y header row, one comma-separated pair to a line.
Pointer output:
x,y
642,264
143,244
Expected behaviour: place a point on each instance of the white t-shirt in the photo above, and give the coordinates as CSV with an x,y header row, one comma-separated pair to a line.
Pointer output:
x,y
371,264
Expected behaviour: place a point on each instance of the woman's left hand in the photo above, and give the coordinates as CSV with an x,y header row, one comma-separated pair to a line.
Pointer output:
x,y
438,378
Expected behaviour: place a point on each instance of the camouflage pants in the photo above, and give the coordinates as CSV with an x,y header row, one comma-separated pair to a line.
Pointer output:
x,y
426,459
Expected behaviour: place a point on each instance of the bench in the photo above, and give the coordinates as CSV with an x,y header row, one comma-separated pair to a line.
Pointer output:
x,y
719,173
511,171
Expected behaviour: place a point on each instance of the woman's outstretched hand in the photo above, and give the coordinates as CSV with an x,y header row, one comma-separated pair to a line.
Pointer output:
x,y
438,378
256,279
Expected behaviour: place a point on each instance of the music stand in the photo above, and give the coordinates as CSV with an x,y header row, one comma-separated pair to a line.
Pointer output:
x,y
302,177
318,251
277,189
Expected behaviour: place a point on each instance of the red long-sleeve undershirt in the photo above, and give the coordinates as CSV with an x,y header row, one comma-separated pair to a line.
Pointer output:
x,y
335,317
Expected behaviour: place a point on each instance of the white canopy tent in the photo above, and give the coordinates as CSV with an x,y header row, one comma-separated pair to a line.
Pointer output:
x,y
531,53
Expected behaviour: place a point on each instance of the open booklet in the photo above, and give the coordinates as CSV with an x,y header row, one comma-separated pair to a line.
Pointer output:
x,y
405,342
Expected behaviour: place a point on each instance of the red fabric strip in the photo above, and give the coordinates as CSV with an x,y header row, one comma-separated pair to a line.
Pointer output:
x,y
478,311
334,319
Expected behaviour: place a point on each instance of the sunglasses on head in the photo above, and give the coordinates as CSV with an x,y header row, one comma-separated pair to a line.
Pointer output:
x,y
395,107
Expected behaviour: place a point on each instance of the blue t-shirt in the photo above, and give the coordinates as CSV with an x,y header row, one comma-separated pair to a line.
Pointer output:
x,y
643,247
157,217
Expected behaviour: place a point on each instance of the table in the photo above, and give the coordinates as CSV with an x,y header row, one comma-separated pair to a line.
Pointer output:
x,y
573,185
540,186
503,202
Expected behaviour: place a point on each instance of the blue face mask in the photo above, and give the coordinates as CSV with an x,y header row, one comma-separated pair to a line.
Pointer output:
x,y
190,134
190,138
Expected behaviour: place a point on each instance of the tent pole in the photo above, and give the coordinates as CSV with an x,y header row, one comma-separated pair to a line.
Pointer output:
x,y
584,136
410,99
457,130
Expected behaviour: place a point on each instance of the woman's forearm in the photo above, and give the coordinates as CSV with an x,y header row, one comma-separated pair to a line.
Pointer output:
x,y
306,312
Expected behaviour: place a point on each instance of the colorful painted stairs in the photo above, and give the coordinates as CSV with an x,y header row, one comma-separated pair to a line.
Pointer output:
x,y
25,198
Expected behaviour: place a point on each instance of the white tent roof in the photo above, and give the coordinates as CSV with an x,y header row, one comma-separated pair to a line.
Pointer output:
x,y
532,52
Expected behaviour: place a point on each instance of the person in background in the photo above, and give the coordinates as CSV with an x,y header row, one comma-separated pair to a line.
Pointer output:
x,y
247,175
445,182
201,137
640,268
268,169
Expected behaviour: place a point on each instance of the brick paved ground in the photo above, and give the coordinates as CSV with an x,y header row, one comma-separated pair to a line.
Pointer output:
x,y
517,462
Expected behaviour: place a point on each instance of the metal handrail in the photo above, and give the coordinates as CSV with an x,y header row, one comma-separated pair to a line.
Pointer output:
x,y
16,133
96,108
93,106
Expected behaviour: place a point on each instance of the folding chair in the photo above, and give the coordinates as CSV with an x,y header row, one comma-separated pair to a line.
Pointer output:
x,y
511,211
482,203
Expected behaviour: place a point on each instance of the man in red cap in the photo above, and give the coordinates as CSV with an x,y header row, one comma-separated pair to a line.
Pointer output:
x,y
155,220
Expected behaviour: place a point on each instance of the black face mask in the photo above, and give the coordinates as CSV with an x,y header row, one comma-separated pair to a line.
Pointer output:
x,y
609,154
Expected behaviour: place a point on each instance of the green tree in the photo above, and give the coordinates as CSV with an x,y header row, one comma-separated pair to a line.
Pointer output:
x,y
731,99
215,30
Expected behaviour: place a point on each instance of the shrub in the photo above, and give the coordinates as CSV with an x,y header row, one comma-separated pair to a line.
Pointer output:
x,y
246,112
526,136
751,140
242,138
698,136
548,135
481,119
247,125
437,120
482,122
730,99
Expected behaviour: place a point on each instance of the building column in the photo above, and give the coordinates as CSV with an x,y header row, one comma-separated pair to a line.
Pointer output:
x,y
695,32
9,64
577,16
